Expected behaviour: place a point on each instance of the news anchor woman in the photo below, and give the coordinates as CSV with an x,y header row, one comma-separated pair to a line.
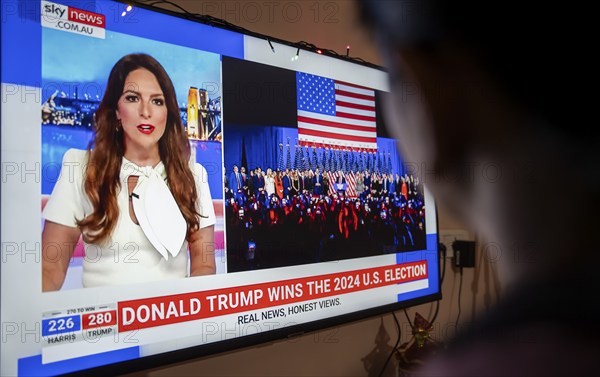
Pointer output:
x,y
134,196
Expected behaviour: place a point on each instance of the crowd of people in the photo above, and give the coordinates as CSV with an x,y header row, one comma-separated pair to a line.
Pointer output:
x,y
290,217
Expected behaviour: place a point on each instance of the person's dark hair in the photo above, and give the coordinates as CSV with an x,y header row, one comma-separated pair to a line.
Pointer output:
x,y
106,151
535,52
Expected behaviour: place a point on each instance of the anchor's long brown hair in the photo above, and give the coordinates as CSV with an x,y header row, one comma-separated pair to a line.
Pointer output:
x,y
106,152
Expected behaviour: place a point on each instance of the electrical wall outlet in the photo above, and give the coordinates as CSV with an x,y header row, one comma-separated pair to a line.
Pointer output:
x,y
447,236
464,253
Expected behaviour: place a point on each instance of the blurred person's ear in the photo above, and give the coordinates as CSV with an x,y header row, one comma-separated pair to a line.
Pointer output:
x,y
448,117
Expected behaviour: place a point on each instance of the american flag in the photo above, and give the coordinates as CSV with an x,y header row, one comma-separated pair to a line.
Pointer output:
x,y
335,114
305,158
281,165
298,158
288,159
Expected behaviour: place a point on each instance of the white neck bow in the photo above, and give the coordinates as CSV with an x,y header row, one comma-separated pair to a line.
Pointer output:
x,y
155,208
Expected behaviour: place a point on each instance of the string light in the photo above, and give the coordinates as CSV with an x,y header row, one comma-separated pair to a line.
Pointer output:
x,y
297,56
128,9
213,21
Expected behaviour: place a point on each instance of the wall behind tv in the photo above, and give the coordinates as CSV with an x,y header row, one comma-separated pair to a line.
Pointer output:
x,y
341,350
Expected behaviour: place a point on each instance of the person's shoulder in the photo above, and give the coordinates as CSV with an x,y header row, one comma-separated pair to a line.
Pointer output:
x,y
75,155
198,170
75,160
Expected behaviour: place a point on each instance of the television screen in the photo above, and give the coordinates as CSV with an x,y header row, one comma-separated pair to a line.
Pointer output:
x,y
305,213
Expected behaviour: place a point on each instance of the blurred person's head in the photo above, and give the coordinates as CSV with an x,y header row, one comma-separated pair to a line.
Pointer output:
x,y
484,103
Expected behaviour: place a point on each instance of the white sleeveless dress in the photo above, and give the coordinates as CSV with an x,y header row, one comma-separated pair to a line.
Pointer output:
x,y
127,256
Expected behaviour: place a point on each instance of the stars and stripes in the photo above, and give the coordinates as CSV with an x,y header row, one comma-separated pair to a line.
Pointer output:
x,y
288,162
298,158
280,164
305,158
314,164
336,114
363,161
322,161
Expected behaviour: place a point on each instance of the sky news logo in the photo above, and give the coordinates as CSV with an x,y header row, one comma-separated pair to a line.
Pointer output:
x,y
73,20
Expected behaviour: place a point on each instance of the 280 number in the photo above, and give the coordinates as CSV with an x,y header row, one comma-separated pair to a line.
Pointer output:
x,y
100,318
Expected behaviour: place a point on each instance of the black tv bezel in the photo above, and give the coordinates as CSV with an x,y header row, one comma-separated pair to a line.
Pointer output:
x,y
188,354
197,352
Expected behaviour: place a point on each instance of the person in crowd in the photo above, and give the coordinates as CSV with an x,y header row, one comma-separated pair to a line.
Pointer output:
x,y
404,189
279,184
347,221
376,185
397,186
244,179
259,181
300,180
385,185
287,183
294,183
318,183
269,183
236,182
391,184
367,180
326,184
250,183
308,182
417,189
340,183
360,185
228,193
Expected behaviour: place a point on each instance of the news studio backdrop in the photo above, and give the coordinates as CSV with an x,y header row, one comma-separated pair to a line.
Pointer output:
x,y
306,256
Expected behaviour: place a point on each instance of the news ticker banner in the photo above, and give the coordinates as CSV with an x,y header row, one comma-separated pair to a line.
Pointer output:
x,y
249,302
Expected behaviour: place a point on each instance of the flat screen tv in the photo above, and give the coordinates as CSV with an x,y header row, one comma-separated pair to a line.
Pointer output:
x,y
313,217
